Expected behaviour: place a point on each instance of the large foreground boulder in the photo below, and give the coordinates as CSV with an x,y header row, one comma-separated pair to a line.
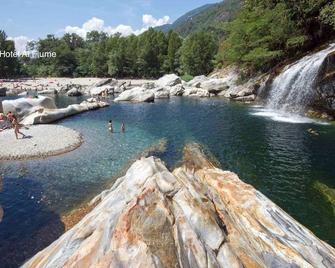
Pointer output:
x,y
196,216
136,94
24,106
168,80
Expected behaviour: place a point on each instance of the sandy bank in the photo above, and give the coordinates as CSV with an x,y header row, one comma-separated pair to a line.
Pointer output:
x,y
41,141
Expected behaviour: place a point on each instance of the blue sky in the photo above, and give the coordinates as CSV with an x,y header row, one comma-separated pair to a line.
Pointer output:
x,y
36,18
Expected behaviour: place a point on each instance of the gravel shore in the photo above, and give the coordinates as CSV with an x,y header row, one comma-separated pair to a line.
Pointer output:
x,y
41,141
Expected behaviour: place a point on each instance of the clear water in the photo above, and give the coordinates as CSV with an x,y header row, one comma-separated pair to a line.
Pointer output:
x,y
280,159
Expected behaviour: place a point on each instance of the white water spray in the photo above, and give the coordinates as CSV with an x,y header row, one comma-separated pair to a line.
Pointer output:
x,y
294,88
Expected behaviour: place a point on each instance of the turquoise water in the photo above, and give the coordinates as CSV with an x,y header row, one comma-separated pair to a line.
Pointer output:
x,y
280,159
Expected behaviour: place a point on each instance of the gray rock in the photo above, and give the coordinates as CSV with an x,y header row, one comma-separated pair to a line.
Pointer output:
x,y
214,85
107,81
161,93
136,94
24,106
177,90
197,81
196,92
168,80
74,92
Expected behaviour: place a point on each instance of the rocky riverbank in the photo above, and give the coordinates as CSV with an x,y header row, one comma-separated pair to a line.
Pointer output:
x,y
195,216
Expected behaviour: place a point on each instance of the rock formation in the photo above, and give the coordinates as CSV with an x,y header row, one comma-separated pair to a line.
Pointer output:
x,y
196,216
46,116
136,94
25,106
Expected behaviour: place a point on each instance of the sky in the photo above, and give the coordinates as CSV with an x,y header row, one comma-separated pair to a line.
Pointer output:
x,y
25,20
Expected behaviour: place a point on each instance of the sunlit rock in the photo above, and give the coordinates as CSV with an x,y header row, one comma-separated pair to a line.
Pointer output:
x,y
136,94
196,216
25,106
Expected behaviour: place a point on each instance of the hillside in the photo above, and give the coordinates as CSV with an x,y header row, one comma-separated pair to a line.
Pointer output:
x,y
206,17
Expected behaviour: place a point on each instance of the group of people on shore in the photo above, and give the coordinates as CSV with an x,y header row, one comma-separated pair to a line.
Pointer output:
x,y
110,126
10,121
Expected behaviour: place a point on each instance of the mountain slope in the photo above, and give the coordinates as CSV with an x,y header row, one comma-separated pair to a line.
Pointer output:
x,y
206,17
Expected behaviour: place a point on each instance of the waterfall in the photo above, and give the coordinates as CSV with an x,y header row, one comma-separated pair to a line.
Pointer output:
x,y
294,88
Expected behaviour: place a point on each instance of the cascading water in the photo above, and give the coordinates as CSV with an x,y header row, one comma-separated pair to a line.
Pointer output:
x,y
294,88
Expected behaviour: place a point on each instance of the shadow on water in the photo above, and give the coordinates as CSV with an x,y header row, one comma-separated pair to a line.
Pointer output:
x,y
27,224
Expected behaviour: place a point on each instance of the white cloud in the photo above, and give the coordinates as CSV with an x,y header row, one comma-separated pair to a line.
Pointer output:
x,y
20,43
151,21
96,24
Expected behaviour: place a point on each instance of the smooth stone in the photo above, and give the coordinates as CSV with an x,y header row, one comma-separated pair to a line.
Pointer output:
x,y
168,80
196,92
136,94
46,116
214,85
196,216
25,106
197,81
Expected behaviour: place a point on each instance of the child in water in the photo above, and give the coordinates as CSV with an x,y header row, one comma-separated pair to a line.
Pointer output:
x,y
123,128
110,126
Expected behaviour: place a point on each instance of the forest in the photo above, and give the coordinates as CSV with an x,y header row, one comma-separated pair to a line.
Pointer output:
x,y
261,34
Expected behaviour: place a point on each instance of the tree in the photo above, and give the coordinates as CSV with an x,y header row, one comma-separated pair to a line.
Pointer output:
x,y
174,43
197,53
9,66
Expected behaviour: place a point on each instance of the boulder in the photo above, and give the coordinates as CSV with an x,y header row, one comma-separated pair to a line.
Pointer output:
x,y
177,90
3,91
74,92
24,106
196,92
161,93
106,81
168,80
96,91
149,85
136,94
214,85
46,116
196,216
197,81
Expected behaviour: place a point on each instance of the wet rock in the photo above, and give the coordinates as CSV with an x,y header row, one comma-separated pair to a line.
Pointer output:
x,y
248,98
168,80
196,216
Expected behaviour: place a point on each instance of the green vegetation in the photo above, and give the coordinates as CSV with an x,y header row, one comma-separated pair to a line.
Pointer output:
x,y
149,55
327,193
266,32
197,53
255,35
8,65
208,18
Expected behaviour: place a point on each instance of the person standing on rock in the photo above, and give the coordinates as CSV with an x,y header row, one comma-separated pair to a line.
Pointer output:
x,y
15,124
